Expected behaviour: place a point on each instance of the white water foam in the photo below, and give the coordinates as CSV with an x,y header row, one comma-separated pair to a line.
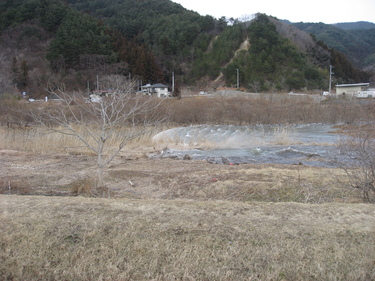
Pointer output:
x,y
311,144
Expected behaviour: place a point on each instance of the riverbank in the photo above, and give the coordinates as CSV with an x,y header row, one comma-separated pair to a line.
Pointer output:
x,y
61,238
134,175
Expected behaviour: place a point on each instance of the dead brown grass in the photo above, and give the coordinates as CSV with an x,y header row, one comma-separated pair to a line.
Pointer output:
x,y
135,176
248,109
51,238
15,186
232,108
40,140
247,182
220,222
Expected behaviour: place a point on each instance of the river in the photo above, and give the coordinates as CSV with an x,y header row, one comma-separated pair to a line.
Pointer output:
x,y
308,144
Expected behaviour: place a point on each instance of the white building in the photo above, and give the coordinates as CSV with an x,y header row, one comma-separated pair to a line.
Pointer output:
x,y
351,89
369,93
160,90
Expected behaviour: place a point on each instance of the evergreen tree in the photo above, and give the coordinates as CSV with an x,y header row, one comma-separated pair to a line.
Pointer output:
x,y
24,75
79,34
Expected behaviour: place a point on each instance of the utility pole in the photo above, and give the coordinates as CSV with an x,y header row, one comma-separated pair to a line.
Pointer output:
x,y
238,79
330,78
173,82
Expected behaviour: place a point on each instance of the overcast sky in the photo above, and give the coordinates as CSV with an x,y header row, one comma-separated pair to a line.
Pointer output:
x,y
327,11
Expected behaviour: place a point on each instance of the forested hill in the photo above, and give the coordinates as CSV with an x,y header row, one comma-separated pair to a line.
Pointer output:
x,y
277,56
74,41
175,35
146,39
355,25
354,40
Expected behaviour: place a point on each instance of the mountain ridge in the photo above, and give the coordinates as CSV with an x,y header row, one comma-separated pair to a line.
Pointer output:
x,y
355,25
151,42
356,44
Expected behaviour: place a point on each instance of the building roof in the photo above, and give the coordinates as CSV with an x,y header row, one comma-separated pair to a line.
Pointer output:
x,y
353,85
158,85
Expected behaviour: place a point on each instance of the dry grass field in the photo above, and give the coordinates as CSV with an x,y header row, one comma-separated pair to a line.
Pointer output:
x,y
76,238
133,175
169,219
180,220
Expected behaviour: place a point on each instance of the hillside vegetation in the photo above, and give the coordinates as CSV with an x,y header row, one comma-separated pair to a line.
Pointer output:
x,y
72,42
354,40
355,25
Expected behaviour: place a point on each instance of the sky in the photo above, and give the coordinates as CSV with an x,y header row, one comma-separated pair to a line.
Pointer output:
x,y
326,11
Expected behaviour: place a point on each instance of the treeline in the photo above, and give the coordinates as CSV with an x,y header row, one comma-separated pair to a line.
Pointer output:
x,y
356,44
79,35
176,36
269,62
48,13
345,72
151,39
78,42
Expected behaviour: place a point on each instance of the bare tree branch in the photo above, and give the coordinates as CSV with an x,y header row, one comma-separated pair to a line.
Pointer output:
x,y
120,116
360,148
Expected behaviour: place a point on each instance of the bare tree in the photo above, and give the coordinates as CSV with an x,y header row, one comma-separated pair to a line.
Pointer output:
x,y
361,171
106,125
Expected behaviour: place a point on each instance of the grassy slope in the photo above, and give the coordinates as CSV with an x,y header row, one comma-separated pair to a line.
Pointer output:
x,y
107,239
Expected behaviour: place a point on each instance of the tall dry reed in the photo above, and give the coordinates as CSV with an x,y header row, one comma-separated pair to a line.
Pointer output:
x,y
41,140
216,109
267,109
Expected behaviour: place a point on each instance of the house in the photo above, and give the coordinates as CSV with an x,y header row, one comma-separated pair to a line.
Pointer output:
x,y
95,98
350,89
160,90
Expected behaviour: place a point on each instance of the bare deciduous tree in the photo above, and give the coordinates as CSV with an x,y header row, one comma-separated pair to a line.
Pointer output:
x,y
106,125
361,173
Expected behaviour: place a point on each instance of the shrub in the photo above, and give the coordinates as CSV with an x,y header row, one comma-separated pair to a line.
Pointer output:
x,y
15,187
360,148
